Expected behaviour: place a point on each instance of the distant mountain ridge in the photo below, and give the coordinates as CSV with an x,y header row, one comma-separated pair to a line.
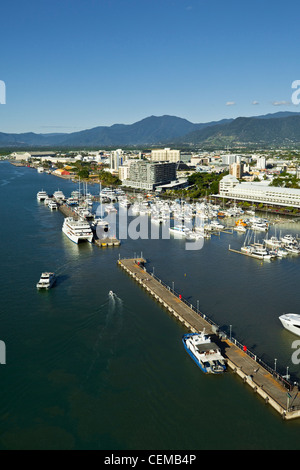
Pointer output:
x,y
274,128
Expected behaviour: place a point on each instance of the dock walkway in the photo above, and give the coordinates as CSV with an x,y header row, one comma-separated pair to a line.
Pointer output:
x,y
268,384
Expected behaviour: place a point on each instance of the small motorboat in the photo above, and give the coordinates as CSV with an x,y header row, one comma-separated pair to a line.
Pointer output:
x,y
46,281
111,293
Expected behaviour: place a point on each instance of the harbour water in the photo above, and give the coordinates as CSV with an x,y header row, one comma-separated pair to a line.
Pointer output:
x,y
88,371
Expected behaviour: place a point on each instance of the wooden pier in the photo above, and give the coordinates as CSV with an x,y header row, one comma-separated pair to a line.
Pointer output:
x,y
266,383
104,242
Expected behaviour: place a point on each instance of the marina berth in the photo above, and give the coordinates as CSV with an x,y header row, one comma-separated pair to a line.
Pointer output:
x,y
46,281
77,230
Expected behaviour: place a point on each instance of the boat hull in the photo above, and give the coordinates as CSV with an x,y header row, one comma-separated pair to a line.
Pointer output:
x,y
290,325
206,370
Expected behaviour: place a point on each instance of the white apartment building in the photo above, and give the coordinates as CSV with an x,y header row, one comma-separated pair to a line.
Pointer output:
x,y
166,154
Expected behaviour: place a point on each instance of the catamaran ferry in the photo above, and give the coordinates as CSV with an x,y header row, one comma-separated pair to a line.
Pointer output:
x,y
77,230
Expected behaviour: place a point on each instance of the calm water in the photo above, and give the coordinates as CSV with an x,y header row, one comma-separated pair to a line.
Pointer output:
x,y
88,372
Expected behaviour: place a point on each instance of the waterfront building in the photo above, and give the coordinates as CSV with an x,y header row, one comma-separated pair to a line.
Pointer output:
x,y
259,193
227,184
166,154
146,175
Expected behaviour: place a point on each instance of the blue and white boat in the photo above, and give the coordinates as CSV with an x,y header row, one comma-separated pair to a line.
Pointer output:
x,y
204,352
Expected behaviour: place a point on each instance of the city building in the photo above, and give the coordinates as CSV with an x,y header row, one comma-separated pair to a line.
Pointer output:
x,y
259,193
164,155
227,184
236,169
148,175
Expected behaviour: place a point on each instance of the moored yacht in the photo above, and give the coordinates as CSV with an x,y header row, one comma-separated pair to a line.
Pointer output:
x,y
77,230
59,195
204,352
179,230
52,205
291,321
41,195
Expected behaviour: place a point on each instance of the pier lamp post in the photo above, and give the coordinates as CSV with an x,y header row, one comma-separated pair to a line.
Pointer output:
x,y
173,287
198,307
230,331
153,271
275,363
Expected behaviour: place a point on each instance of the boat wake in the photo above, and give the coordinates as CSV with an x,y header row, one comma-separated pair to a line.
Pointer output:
x,y
107,341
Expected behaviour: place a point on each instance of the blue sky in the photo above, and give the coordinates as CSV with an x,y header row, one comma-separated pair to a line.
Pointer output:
x,y
70,65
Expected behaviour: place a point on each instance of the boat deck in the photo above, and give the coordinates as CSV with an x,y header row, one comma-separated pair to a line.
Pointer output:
x,y
285,399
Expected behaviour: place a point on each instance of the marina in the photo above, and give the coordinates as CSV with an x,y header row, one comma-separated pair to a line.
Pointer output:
x,y
128,353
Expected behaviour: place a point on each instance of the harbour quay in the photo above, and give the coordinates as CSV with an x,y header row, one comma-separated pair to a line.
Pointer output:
x,y
274,389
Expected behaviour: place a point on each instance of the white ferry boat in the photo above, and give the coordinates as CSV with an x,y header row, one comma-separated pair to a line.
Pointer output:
x,y
77,230
53,205
59,196
41,195
204,352
291,322
46,281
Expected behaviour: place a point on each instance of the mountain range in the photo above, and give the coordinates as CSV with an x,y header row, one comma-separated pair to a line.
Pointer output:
x,y
281,128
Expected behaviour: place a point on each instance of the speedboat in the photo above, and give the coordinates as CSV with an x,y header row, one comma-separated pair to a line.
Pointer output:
x,y
204,352
291,322
46,281
111,294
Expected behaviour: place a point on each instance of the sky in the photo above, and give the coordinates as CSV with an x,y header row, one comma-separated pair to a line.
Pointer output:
x,y
70,65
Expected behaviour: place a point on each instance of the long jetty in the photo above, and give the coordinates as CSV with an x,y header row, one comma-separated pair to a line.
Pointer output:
x,y
275,389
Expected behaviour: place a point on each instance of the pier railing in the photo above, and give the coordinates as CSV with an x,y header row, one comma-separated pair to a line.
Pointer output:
x,y
285,382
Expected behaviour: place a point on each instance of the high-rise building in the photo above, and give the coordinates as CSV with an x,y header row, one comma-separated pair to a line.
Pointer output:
x,y
236,169
116,159
147,175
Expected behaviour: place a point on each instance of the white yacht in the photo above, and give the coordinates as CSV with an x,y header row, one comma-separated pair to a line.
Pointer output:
x,y
204,352
260,252
291,321
273,242
52,205
59,195
41,195
179,230
77,230
46,281
289,240
260,226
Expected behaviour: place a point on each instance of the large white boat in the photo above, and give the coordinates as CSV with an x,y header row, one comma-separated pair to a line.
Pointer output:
x,y
204,352
46,281
179,230
291,321
53,205
41,195
77,230
59,195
